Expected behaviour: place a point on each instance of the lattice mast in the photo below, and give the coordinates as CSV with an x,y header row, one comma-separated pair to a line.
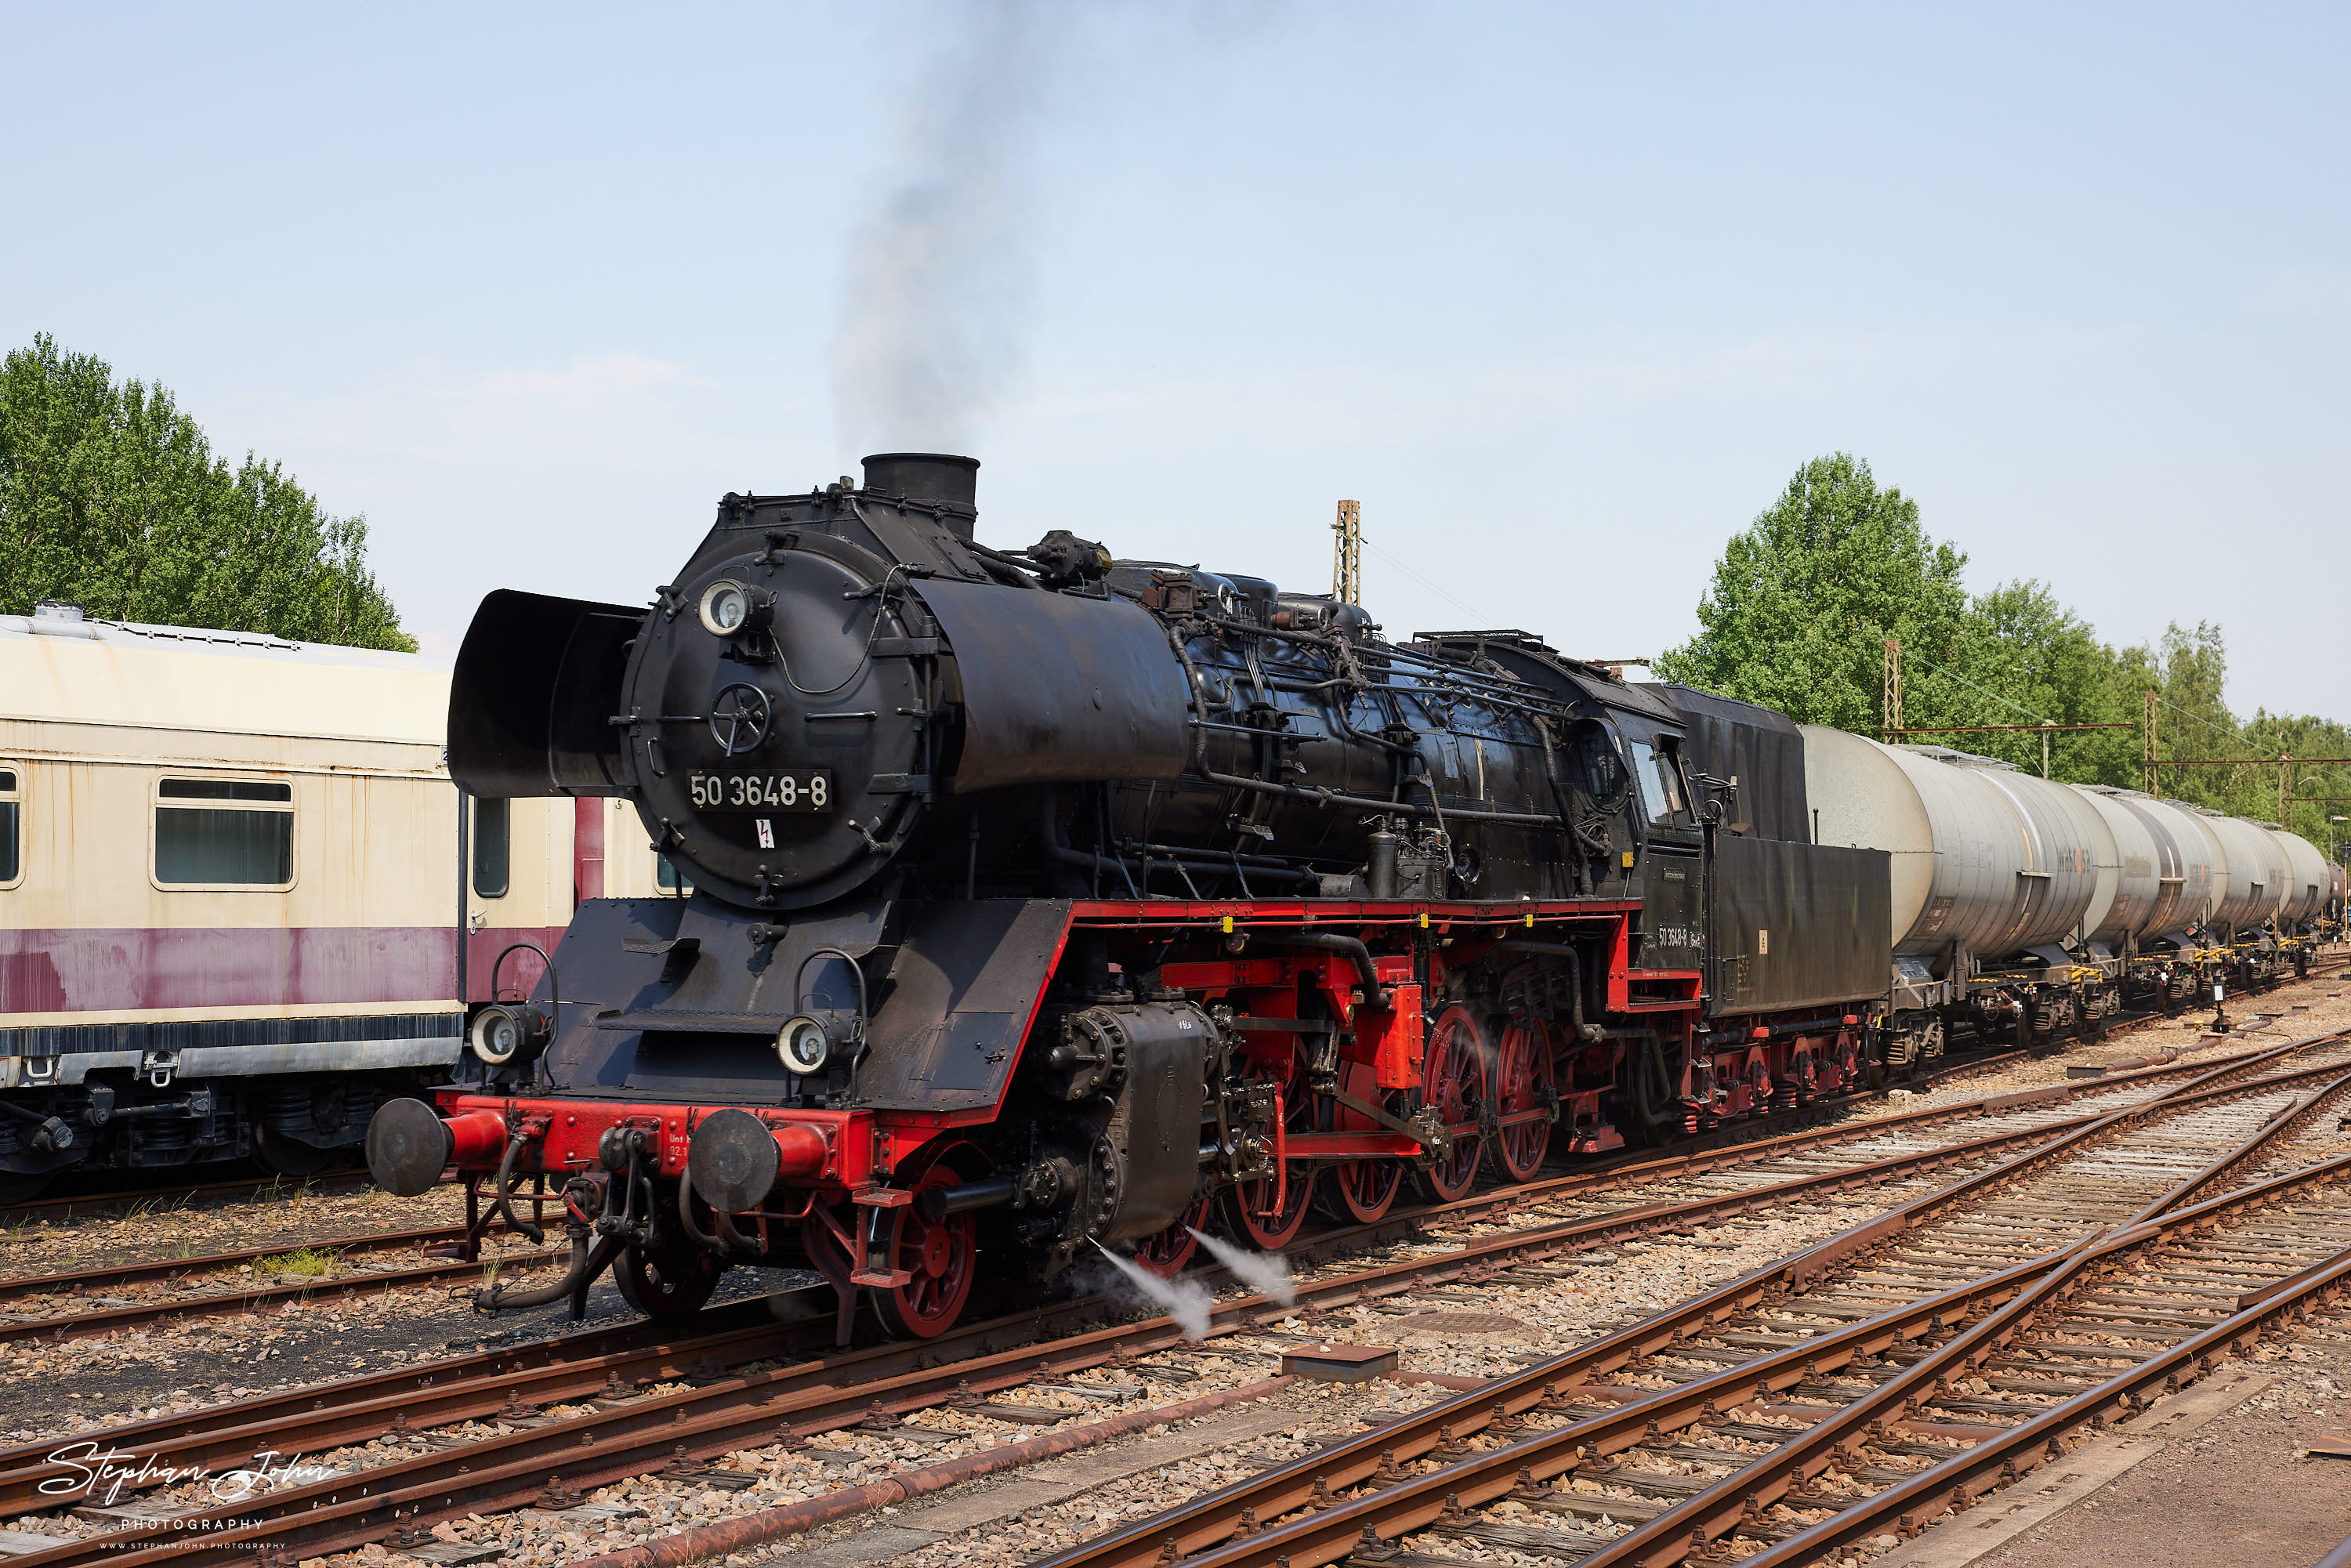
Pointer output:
x,y
1890,699
1347,555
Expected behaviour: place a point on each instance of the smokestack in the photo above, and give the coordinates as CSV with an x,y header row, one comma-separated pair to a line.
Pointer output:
x,y
934,479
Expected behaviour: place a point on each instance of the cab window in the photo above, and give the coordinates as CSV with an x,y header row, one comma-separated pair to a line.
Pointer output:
x,y
1661,784
1601,765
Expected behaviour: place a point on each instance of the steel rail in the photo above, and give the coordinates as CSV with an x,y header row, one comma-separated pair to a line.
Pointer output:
x,y
16,1287
252,1187
571,1367
67,1326
906,1376
734,1412
1412,1503
1670,1537
1437,1428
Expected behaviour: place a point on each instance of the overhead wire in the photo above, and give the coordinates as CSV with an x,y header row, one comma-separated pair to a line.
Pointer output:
x,y
1459,603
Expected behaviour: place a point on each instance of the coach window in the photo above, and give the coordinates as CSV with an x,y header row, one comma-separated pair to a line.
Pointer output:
x,y
223,832
12,818
493,847
666,877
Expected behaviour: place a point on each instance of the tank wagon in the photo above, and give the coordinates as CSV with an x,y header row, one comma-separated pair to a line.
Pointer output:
x,y
239,908
1046,899
2023,908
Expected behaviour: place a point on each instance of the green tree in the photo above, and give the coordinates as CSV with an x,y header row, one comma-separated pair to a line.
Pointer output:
x,y
110,497
2022,657
1804,600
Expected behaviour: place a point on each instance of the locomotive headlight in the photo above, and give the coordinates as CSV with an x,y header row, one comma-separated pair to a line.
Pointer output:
x,y
803,1046
501,1033
728,609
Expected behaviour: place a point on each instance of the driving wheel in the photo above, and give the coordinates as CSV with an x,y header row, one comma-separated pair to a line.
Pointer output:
x,y
1523,1071
940,1258
1453,1080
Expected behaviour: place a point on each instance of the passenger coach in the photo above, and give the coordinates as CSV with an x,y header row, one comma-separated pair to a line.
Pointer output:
x,y
230,901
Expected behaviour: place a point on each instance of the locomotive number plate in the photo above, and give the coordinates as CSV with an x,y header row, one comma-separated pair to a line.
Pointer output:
x,y
808,791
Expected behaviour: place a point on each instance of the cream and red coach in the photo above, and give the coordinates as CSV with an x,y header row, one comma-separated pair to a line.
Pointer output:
x,y
236,911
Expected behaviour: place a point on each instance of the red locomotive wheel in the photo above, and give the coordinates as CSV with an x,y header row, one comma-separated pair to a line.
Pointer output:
x,y
1269,1213
1362,1191
1357,1192
942,1255
1523,1071
668,1281
1249,1210
1166,1253
1453,1079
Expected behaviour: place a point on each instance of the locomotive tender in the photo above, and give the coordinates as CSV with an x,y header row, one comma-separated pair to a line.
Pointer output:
x,y
1046,899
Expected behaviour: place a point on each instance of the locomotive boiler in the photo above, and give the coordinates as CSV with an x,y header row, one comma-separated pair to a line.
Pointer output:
x,y
1043,899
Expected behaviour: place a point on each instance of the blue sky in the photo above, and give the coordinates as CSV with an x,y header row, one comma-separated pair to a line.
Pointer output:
x,y
1562,295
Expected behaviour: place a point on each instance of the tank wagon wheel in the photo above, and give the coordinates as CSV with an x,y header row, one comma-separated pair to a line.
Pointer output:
x,y
669,1280
1523,1077
941,1255
1453,1079
1166,1253
1357,1192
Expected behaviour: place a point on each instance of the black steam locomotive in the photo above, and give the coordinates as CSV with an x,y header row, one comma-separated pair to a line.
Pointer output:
x,y
1041,899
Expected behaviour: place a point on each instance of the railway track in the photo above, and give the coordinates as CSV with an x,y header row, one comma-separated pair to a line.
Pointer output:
x,y
564,1420
1921,1345
1580,1192
177,1193
109,1313
65,1205
1739,1144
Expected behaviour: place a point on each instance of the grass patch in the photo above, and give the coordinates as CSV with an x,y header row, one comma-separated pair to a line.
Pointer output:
x,y
310,1262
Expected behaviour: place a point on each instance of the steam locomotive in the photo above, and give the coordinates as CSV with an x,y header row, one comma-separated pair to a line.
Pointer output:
x,y
1044,899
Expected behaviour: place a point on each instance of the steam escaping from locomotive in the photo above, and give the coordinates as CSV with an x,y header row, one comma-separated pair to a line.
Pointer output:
x,y
931,325
1185,1301
1267,1273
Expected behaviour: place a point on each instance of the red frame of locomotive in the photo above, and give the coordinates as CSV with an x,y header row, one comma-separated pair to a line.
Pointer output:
x,y
829,1154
